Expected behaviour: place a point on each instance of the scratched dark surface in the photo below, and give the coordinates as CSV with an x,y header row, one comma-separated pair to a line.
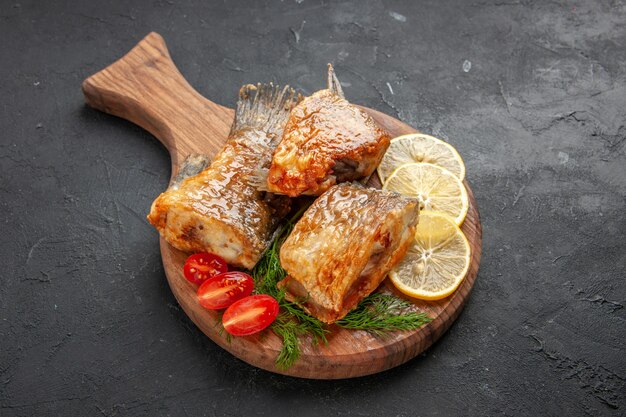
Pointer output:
x,y
532,94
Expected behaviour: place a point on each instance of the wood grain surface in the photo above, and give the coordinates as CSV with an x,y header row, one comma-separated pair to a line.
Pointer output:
x,y
146,88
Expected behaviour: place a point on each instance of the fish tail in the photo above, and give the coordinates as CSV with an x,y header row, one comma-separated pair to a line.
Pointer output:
x,y
264,107
333,82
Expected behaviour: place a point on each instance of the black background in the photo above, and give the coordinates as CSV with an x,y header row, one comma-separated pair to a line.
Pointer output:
x,y
88,325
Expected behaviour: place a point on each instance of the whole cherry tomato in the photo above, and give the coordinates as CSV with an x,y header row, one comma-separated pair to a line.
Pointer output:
x,y
224,289
201,266
250,315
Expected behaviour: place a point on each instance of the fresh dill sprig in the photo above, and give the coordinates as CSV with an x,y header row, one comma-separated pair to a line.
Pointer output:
x,y
290,329
381,314
267,272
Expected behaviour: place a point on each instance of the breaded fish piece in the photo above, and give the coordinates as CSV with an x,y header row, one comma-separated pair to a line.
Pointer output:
x,y
326,141
343,247
220,210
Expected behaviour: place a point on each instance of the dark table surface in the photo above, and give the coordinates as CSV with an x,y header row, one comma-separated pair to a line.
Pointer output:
x,y
531,93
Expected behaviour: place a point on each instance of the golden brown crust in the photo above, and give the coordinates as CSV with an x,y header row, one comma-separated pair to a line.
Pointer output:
x,y
327,140
343,247
218,210
221,210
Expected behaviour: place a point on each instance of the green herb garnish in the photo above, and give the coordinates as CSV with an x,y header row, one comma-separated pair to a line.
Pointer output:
x,y
383,313
377,313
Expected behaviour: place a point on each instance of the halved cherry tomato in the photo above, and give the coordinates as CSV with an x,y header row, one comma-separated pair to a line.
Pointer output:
x,y
250,315
201,266
224,289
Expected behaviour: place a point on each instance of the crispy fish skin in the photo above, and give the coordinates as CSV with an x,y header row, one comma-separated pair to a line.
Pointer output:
x,y
220,210
326,141
343,247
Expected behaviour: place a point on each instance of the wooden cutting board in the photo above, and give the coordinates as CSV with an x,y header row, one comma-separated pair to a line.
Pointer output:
x,y
146,88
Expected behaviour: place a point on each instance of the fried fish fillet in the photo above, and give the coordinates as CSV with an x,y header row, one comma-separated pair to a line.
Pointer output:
x,y
220,210
326,141
343,247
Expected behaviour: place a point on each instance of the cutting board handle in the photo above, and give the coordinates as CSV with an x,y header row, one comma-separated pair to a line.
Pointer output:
x,y
146,88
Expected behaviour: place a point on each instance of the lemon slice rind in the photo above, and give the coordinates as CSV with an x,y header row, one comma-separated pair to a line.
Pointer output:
x,y
437,261
436,188
418,147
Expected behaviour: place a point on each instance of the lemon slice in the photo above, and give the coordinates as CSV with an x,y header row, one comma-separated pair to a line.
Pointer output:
x,y
420,148
437,260
436,188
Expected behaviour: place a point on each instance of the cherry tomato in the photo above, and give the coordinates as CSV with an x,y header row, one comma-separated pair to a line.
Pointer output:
x,y
224,289
250,315
201,266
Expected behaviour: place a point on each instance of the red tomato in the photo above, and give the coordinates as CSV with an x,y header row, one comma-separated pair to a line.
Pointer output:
x,y
250,315
201,266
224,289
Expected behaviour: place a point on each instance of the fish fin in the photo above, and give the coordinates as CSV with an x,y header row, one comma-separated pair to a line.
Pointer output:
x,y
264,107
333,82
191,166
258,178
